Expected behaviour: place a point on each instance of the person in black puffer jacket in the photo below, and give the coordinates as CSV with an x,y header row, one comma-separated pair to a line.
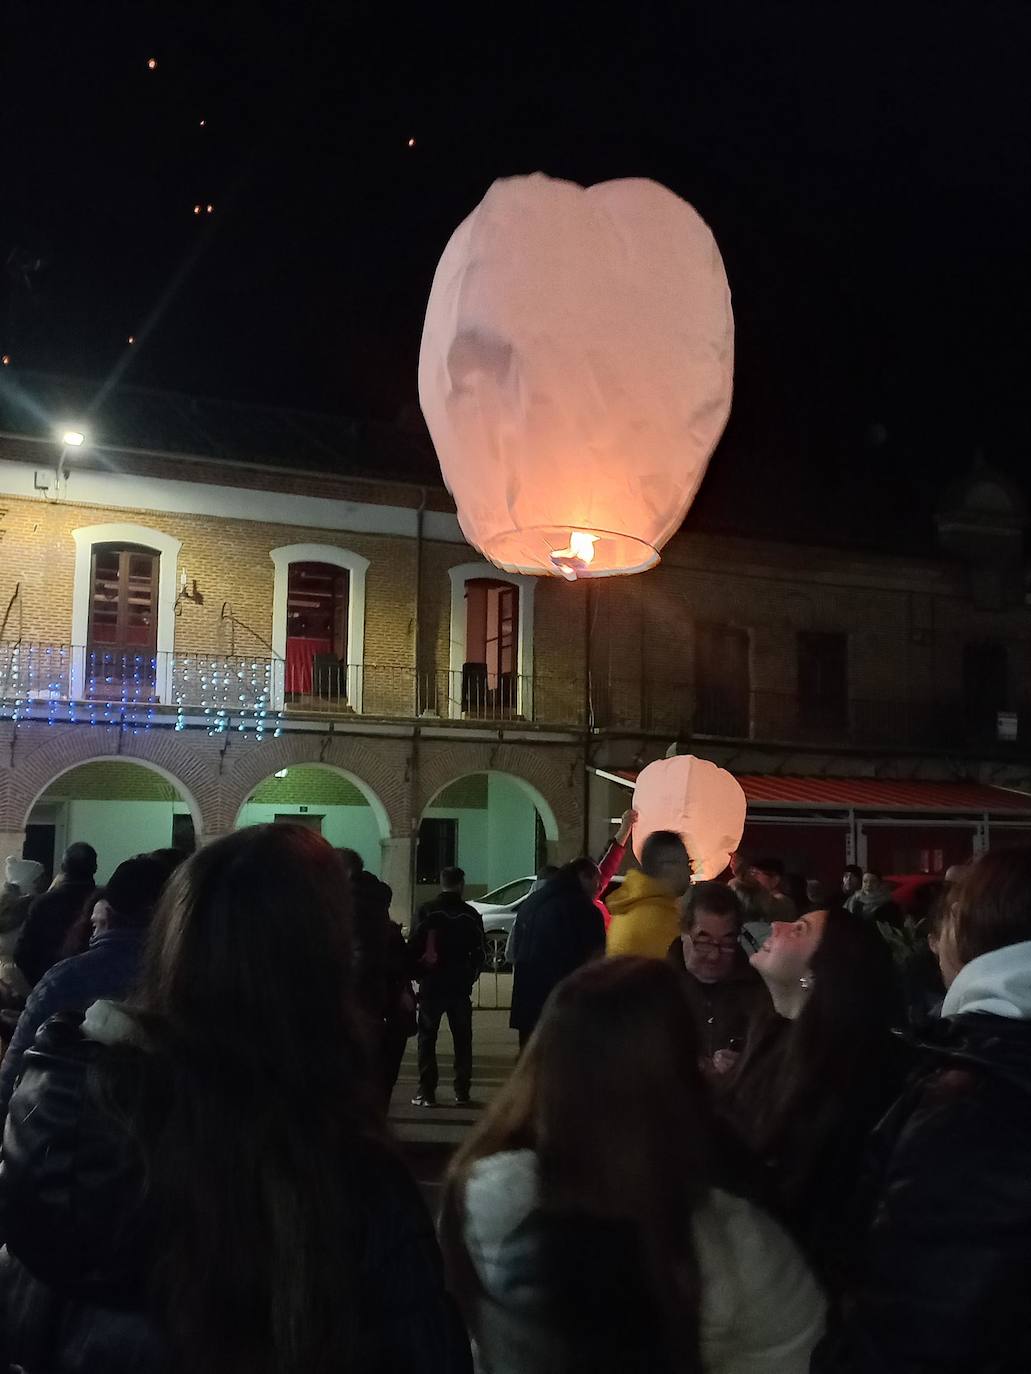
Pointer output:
x,y
944,1281
196,1180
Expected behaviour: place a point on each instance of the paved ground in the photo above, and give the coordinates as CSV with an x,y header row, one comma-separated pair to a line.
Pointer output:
x,y
429,1136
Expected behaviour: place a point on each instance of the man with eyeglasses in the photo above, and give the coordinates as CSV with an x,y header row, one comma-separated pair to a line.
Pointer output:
x,y
724,991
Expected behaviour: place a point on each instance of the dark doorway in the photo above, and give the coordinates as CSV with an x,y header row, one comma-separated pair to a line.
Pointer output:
x,y
184,837
39,845
436,848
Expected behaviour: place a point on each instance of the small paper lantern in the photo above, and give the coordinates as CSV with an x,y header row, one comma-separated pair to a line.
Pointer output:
x,y
576,372
701,802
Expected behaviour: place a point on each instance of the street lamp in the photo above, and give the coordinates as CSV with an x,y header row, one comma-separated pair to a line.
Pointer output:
x,y
70,438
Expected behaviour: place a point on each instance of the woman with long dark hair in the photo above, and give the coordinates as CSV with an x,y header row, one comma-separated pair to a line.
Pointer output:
x,y
818,1079
583,1225
196,1180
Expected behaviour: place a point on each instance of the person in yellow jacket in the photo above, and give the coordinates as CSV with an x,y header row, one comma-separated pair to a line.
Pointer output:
x,y
645,912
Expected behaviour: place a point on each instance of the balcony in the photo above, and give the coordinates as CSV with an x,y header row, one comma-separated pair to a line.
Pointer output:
x,y
249,692
68,682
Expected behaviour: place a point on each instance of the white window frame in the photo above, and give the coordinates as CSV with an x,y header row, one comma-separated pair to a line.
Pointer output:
x,y
167,547
473,572
356,567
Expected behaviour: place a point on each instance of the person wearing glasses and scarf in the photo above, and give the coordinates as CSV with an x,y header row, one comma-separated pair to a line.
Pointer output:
x,y
726,995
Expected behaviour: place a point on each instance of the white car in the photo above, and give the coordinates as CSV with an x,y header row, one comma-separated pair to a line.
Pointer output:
x,y
498,909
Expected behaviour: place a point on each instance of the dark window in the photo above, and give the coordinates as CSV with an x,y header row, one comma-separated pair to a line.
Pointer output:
x,y
491,647
436,848
985,687
822,680
121,644
722,680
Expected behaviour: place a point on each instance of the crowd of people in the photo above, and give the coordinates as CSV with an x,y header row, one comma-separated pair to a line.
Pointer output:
x,y
732,1140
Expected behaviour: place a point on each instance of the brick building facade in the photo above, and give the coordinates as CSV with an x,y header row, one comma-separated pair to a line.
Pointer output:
x,y
772,659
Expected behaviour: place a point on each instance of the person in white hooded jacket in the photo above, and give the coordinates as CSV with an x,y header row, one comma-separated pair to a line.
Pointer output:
x,y
945,1282
584,1222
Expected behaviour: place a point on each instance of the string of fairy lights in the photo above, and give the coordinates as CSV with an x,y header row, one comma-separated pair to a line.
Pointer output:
x,y
60,684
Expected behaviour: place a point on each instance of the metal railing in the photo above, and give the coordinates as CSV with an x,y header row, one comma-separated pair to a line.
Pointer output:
x,y
55,679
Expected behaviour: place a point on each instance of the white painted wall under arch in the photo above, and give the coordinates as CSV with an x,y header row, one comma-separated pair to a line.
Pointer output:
x,y
117,829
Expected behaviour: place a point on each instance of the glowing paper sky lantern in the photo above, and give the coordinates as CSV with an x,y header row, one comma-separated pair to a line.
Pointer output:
x,y
576,372
701,802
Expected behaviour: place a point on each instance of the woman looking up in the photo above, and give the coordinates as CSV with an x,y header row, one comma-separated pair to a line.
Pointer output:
x,y
813,1086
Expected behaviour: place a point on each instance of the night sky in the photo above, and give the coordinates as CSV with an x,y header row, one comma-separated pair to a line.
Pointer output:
x,y
866,172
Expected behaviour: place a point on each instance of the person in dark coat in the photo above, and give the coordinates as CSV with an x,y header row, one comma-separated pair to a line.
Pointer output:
x,y
943,1283
727,996
447,953
383,981
54,912
558,928
197,1180
108,968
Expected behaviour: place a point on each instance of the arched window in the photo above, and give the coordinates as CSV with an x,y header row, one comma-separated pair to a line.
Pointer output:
x,y
123,612
490,670
122,637
491,661
317,596
318,625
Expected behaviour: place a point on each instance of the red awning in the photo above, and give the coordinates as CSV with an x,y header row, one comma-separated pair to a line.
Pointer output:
x,y
868,794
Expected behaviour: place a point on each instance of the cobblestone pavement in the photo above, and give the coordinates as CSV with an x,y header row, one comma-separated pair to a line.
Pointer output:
x,y
428,1137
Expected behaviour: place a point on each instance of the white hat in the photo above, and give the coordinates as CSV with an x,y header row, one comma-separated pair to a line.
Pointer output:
x,y
23,873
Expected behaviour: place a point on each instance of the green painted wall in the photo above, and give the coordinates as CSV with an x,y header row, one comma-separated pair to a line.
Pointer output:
x,y
111,780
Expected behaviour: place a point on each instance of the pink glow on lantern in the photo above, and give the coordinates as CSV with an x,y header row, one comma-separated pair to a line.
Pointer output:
x,y
703,803
576,372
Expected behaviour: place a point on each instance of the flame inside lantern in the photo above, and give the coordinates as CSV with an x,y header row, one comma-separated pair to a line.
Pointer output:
x,y
577,557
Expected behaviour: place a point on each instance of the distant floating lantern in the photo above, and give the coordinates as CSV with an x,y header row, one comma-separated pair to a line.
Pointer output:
x,y
152,63
576,372
701,802
6,360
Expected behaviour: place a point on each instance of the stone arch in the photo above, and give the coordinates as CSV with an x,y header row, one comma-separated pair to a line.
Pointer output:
x,y
380,781
50,762
549,782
